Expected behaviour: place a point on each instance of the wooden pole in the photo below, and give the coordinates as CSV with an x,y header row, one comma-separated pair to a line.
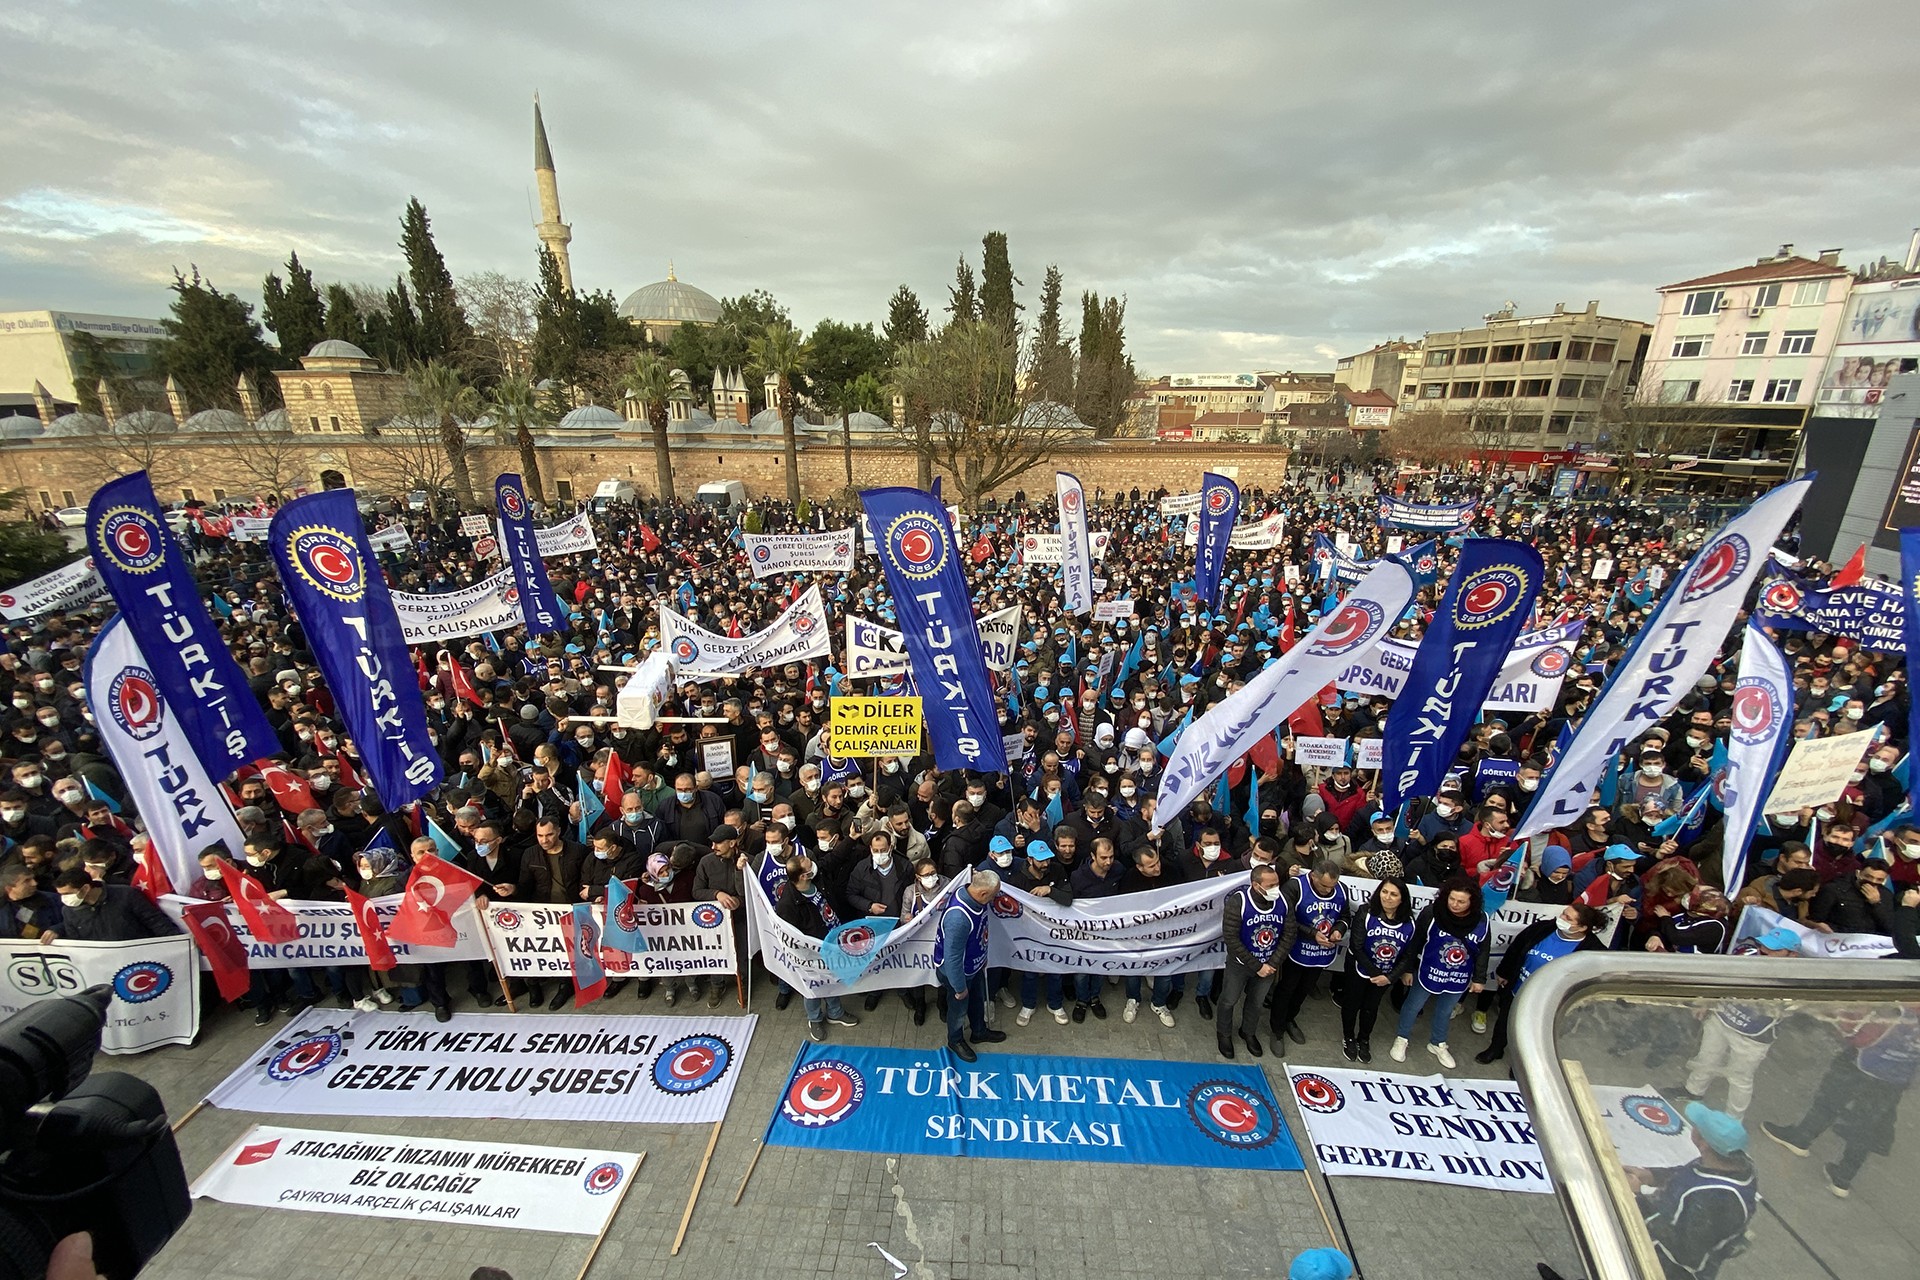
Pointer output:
x,y
1321,1207
181,1123
699,1179
749,1173
486,934
608,1225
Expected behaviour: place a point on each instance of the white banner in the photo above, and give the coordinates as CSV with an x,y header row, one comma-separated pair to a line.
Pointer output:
x,y
254,529
329,936
903,958
1672,650
1755,921
1045,548
1113,610
683,939
874,650
776,553
1529,679
1817,772
156,989
1369,753
1371,1124
1076,559
801,631
567,538
376,1175
1327,753
607,1068
1257,535
492,604
475,524
67,587
182,806
1231,726
1160,931
1182,504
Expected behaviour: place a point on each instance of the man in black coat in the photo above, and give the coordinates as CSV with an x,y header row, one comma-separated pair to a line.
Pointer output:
x,y
94,912
1859,903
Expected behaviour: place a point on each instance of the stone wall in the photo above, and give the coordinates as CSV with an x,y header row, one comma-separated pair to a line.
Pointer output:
x,y
68,470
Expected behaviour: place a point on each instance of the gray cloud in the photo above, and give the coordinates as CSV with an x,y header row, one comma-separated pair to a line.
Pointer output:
x,y
1269,182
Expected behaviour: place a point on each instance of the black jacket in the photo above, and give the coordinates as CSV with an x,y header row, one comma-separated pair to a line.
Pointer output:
x,y
552,880
121,915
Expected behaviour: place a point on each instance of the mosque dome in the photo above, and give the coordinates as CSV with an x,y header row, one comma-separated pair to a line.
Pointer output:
x,y
337,349
145,422
592,417
78,424
671,302
215,420
274,420
20,426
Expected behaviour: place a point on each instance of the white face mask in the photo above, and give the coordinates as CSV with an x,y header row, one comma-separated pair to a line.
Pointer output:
x,y
882,860
1651,770
1854,713
1209,853
72,899
976,799
1002,859
255,860
1878,766
1529,784
212,873
855,791
1129,792
929,882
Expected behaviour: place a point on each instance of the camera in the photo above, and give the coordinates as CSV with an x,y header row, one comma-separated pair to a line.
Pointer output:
x,y
80,1152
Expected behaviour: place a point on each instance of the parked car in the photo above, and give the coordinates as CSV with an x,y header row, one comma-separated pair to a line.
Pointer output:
x,y
71,517
724,496
612,491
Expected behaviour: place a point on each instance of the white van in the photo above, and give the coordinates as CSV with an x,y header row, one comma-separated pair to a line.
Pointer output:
x,y
612,491
724,496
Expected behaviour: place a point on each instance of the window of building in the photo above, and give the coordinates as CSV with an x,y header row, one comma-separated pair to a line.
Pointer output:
x,y
1577,349
1754,344
1740,390
1473,355
186,495
1536,386
1527,423
1782,390
1500,387
1593,389
1602,353
219,495
46,500
1432,390
326,391
334,421
1809,292
1408,390
314,422
563,490
1439,359
66,498
1570,388
1688,345
1767,295
1543,351
1680,390
306,391
1465,390
1797,342
1559,424
1507,353
1703,303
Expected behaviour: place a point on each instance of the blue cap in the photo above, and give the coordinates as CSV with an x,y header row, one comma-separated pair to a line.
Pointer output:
x,y
1779,940
1321,1264
1622,853
999,844
1722,1132
1039,851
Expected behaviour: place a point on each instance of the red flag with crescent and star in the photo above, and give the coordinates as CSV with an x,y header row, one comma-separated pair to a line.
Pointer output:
x,y
150,873
435,891
372,936
213,934
269,921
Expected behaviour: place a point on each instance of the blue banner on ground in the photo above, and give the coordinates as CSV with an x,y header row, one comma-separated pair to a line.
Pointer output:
x,y
517,538
1437,518
337,590
1219,508
150,579
928,580
1017,1107
1873,614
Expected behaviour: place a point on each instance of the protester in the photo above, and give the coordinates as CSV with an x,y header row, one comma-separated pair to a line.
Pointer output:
x,y
1381,931
1446,958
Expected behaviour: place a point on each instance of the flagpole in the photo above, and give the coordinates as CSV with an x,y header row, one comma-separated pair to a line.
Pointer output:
x,y
611,1214
751,1164
699,1179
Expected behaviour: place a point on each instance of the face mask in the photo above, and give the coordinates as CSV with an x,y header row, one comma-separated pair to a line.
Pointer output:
x,y
1651,770
764,796
893,766
1209,853
1147,762
32,781
1113,766
604,855
1853,713
67,797
1139,703
1329,837
976,799
882,861
71,899
1445,810
1696,743
1129,792
482,849
305,735
53,722
855,791
1053,717
437,705
1002,859
45,685
213,874
684,797
1784,819
1825,815
1529,784
255,860
23,703
585,744
329,742
929,882
1266,897
13,815
811,785
1878,766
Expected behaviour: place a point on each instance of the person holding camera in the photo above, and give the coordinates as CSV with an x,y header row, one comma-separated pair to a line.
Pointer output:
x,y
95,912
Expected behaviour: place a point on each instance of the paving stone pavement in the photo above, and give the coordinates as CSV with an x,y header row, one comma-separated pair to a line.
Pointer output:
x,y
814,1213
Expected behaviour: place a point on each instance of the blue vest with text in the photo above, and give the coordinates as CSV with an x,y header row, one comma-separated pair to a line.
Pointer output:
x,y
1382,940
1548,949
1260,929
1446,964
1311,912
976,916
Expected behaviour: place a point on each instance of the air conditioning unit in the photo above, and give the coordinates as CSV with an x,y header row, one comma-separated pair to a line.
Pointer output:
x,y
1723,305
1754,311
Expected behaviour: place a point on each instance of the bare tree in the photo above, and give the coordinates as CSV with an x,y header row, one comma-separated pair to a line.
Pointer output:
x,y
144,440
501,310
276,459
1644,433
1431,437
437,393
404,453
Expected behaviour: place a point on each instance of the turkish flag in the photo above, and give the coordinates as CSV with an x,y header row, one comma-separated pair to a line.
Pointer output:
x,y
435,891
372,936
1853,570
462,682
290,790
1307,722
613,783
269,921
420,670
1599,891
1286,628
982,550
207,922
649,540
150,873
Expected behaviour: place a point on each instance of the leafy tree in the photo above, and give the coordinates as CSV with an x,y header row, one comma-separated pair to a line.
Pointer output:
x,y
996,284
656,385
906,318
1052,357
963,303
212,338
393,328
344,318
559,332
294,311
841,354
439,397
690,349
97,360
444,333
1106,378
26,551
743,319
780,352
516,408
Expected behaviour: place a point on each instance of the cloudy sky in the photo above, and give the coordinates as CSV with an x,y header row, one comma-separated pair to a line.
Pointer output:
x,y
1271,184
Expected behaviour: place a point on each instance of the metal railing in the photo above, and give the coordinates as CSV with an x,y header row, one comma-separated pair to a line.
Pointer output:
x,y
1611,1238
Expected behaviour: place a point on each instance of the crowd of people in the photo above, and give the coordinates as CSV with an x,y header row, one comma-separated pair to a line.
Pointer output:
x,y
523,721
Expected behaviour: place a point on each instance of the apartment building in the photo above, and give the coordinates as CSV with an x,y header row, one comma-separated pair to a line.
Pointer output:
x,y
1379,368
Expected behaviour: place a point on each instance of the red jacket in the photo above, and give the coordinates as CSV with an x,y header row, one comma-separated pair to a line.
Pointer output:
x,y
1349,810
1475,848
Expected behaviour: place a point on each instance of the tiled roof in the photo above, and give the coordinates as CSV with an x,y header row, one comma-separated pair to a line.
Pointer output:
x,y
1781,269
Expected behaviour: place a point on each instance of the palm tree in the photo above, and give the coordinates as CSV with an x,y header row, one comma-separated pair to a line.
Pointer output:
x,y
515,406
656,384
439,395
782,352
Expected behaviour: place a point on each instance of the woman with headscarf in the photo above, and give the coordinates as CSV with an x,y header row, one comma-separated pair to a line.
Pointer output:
x,y
381,873
1446,958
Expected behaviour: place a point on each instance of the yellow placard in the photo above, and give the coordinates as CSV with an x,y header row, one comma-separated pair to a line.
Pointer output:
x,y
876,726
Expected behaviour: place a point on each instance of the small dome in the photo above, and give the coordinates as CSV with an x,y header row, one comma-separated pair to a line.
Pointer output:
x,y
868,422
20,426
215,420
592,417
698,422
274,420
337,349
78,424
673,302
767,422
145,422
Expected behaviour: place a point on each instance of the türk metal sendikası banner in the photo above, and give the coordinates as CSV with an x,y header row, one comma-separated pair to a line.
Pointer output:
x,y
683,939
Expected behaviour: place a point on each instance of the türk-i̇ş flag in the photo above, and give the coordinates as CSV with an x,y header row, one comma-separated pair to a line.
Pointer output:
x,y
269,921
372,936
583,953
435,891
207,922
